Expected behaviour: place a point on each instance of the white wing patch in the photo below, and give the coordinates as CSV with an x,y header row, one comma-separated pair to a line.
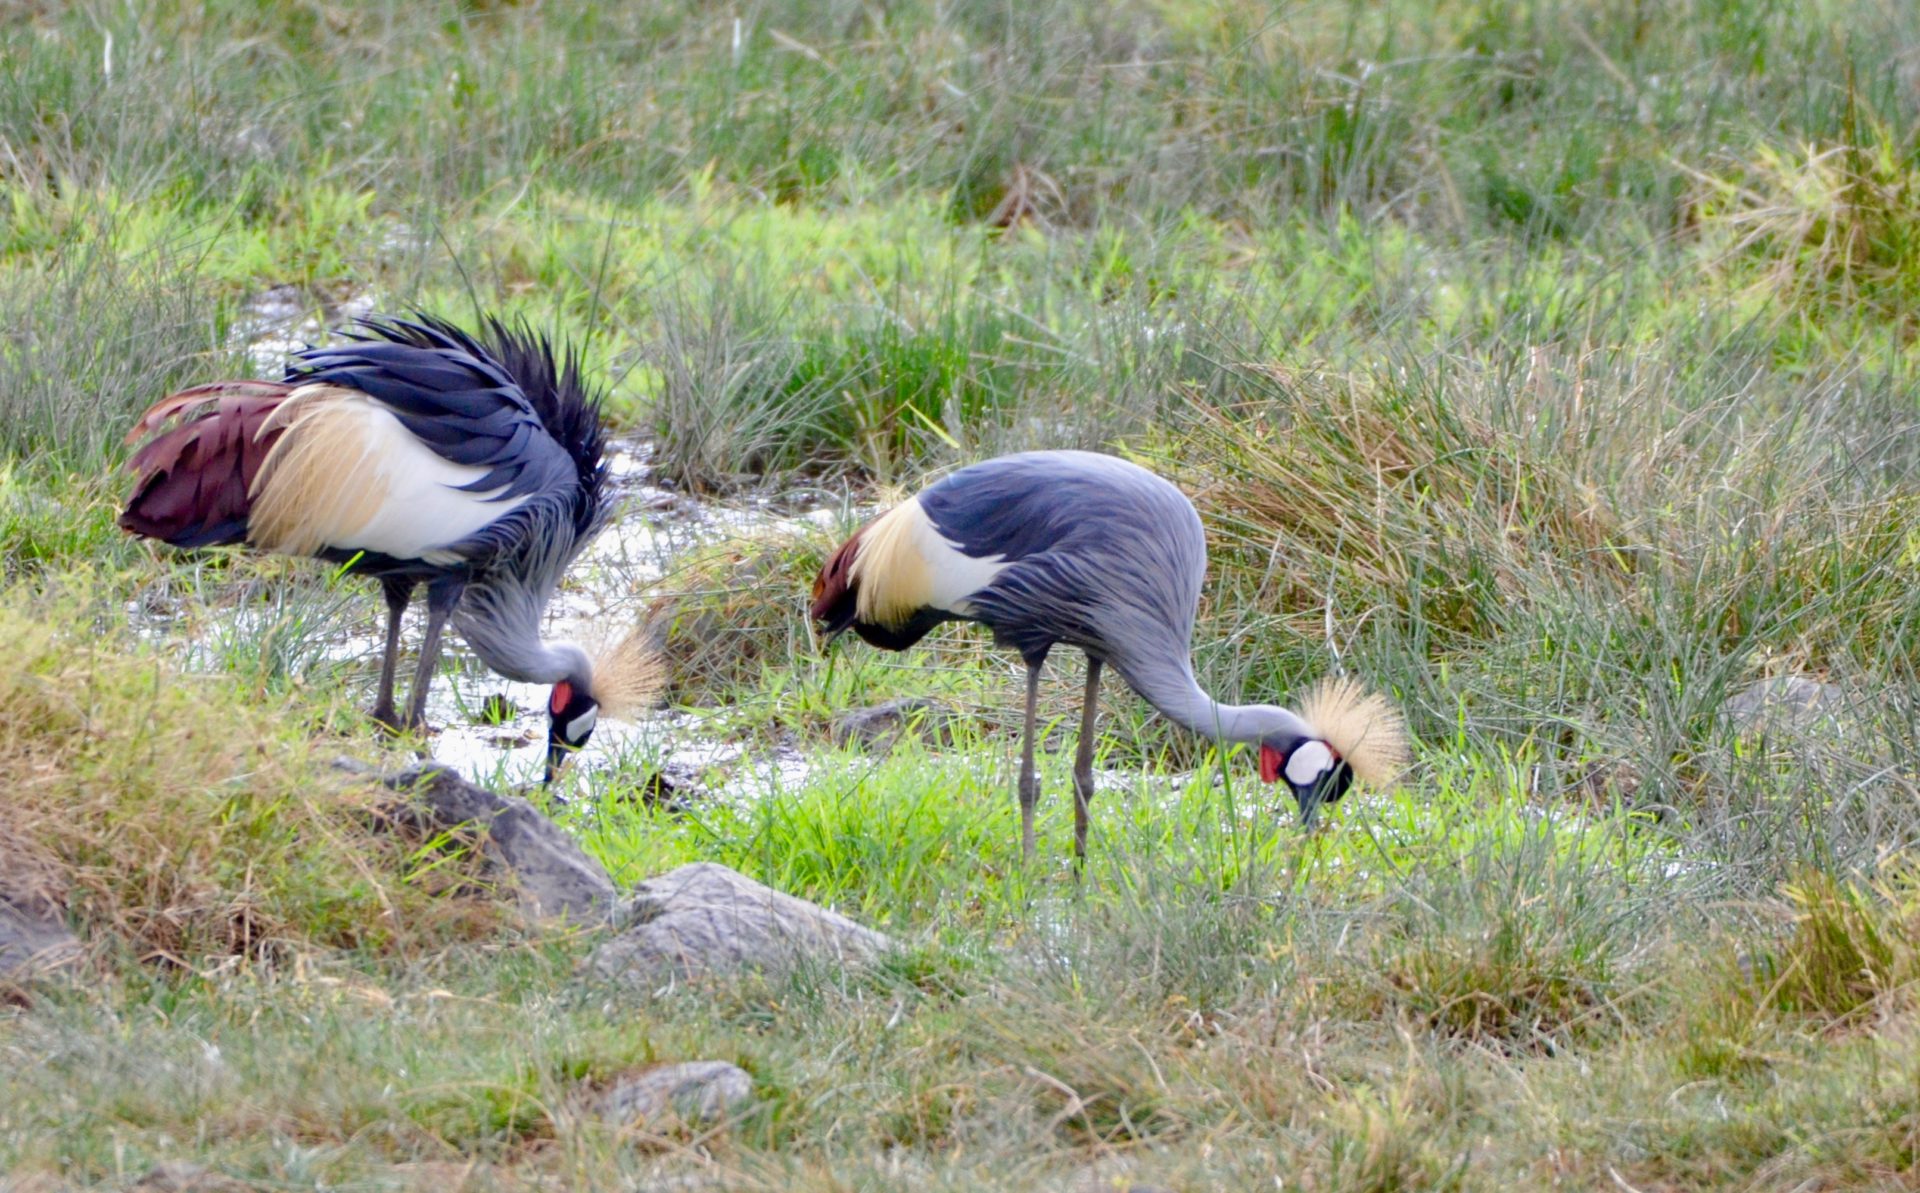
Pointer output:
x,y
953,575
347,474
905,565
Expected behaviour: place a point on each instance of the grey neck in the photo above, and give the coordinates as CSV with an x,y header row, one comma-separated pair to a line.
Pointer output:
x,y
1173,691
540,662
502,624
501,612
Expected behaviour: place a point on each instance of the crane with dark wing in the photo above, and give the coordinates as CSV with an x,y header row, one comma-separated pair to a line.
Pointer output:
x,y
417,454
1090,551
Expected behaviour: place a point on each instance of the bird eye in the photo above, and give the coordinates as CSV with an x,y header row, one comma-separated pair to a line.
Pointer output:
x,y
1309,763
578,728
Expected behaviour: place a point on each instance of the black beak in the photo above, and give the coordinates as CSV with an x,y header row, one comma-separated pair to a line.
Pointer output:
x,y
558,751
1310,801
1327,789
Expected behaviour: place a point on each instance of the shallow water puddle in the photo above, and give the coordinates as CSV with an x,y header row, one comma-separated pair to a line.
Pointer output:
x,y
284,319
668,750
607,593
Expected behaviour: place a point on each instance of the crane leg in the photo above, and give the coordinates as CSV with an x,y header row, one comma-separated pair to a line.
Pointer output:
x,y
1083,763
1029,783
399,594
442,596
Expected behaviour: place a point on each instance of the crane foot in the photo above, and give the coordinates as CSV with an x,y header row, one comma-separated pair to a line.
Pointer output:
x,y
392,723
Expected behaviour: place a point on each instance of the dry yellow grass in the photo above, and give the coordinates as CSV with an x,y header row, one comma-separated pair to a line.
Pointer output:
x,y
180,818
1346,479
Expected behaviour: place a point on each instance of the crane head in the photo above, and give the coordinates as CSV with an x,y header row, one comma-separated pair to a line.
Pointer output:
x,y
1351,733
1313,770
573,710
620,680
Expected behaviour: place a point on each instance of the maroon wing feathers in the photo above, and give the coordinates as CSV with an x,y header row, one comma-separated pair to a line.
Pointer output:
x,y
835,599
836,604
192,482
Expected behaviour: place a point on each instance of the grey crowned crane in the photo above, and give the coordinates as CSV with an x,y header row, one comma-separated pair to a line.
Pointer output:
x,y
1087,550
413,453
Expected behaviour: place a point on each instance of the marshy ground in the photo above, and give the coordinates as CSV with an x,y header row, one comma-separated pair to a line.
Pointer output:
x,y
1548,365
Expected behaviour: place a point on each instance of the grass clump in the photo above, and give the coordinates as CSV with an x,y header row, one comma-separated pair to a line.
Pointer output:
x,y
1501,976
1379,1144
66,399
180,821
731,611
1390,496
1525,945
1836,954
1851,949
1820,232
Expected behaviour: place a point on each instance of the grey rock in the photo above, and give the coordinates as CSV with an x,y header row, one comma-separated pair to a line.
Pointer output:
x,y
554,875
696,1093
704,918
1788,701
879,727
34,939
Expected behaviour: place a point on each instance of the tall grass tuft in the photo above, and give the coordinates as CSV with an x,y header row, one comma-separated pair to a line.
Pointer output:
x,y
67,392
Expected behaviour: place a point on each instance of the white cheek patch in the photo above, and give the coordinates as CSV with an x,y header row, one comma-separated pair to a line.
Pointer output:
x,y
577,729
1309,764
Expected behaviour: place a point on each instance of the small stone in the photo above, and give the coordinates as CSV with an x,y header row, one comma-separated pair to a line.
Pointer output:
x,y
704,918
554,875
878,728
696,1093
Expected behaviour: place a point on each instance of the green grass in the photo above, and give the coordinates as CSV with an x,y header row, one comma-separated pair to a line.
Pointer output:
x,y
1548,365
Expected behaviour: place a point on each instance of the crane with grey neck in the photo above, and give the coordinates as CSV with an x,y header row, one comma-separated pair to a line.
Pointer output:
x,y
414,453
1090,551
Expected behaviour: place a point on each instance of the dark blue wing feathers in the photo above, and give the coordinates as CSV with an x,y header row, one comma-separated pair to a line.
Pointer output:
x,y
502,403
1082,502
1013,507
457,403
1103,551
